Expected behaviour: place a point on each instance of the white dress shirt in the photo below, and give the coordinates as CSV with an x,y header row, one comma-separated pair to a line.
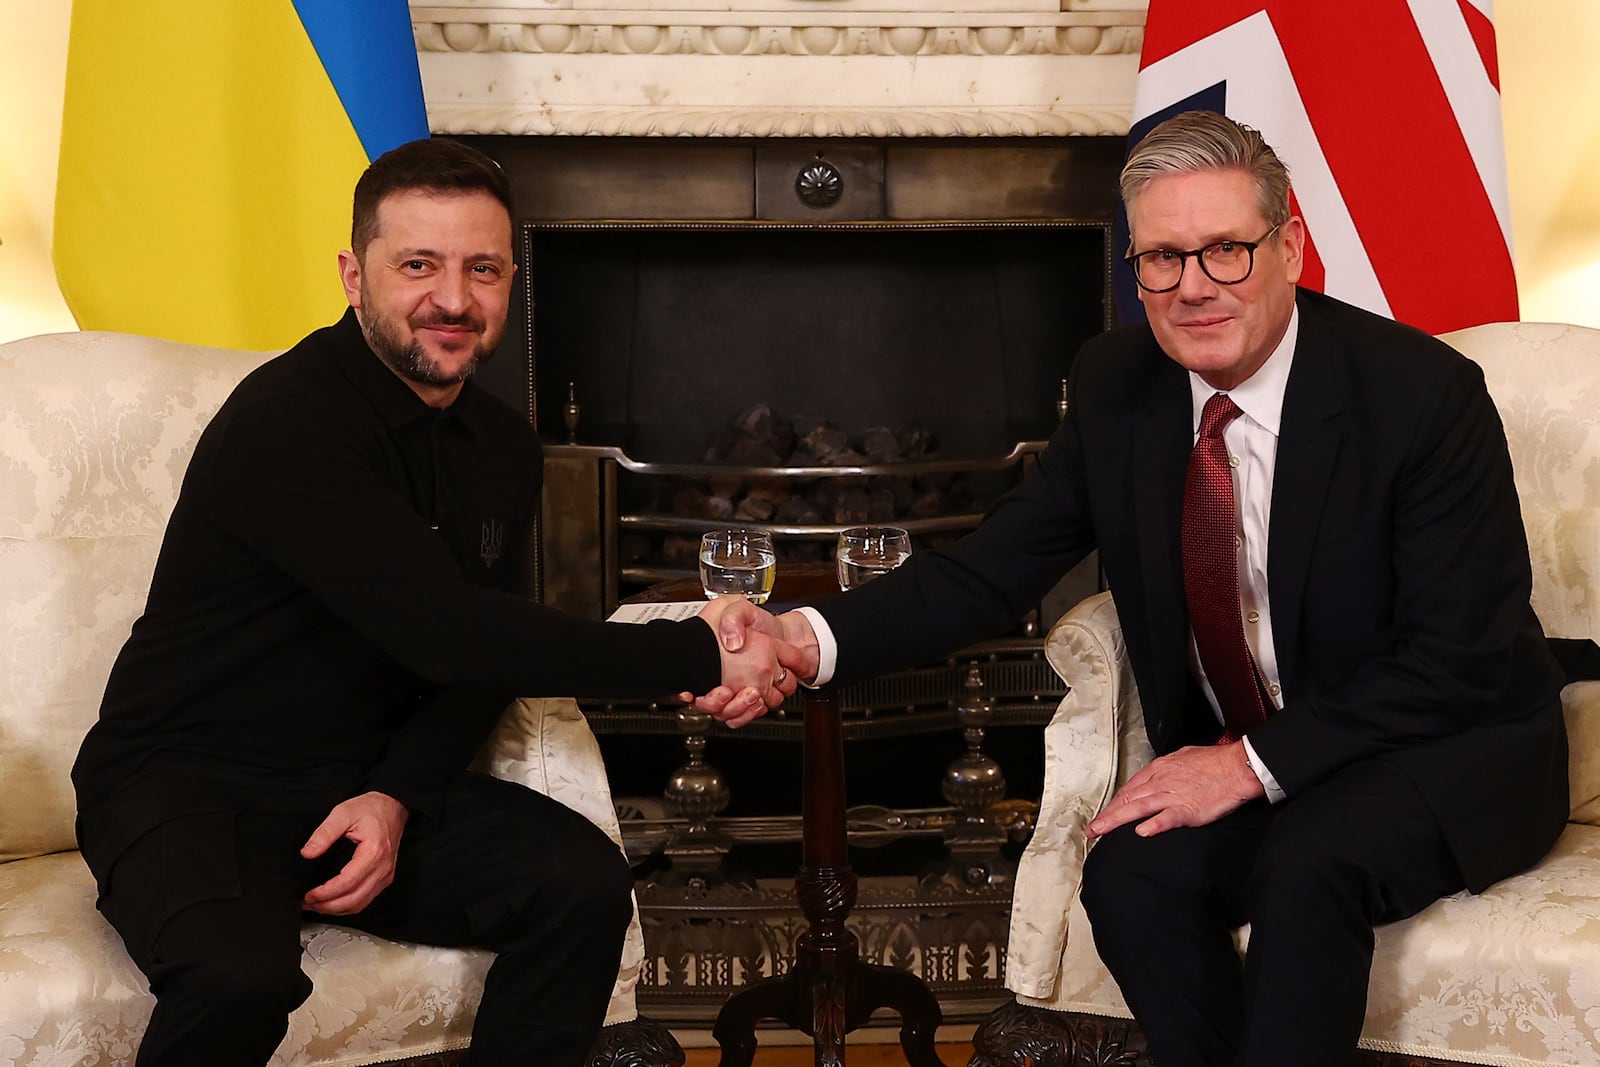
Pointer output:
x,y
1252,441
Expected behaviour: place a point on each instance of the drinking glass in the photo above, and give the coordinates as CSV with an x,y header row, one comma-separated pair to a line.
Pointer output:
x,y
868,551
738,563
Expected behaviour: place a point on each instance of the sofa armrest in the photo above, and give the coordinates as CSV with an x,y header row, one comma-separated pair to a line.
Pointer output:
x,y
1095,741
1580,701
546,745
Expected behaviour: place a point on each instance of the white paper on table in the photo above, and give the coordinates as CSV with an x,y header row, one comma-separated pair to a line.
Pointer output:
x,y
669,609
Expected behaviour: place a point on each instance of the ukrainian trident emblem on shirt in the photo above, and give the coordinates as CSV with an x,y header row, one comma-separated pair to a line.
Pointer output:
x,y
493,540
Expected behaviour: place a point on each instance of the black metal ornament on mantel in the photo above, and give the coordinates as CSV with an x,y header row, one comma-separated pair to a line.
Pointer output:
x,y
819,184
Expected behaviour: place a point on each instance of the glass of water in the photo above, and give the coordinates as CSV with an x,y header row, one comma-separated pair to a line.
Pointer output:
x,y
868,551
738,563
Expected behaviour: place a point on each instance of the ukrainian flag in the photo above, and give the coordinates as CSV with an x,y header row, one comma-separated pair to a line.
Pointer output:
x,y
208,152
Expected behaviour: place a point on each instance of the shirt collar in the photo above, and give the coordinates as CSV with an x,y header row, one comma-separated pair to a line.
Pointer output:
x,y
1259,396
392,398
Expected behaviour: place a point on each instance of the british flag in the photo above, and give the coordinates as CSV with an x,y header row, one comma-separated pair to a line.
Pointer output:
x,y
1387,114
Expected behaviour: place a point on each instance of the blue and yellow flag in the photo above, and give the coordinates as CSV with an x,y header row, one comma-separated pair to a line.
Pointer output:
x,y
208,154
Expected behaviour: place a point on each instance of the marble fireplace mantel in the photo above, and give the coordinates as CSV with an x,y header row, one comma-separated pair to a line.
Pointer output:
x,y
779,68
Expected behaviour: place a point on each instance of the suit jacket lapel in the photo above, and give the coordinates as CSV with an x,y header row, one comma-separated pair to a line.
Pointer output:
x,y
1308,443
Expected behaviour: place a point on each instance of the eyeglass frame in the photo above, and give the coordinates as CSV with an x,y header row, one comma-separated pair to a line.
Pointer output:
x,y
1199,257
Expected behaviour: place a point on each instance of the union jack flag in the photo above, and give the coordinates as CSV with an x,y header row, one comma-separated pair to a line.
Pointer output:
x,y
1387,114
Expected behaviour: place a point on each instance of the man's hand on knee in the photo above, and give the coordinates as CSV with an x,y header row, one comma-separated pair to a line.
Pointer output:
x,y
374,821
1193,786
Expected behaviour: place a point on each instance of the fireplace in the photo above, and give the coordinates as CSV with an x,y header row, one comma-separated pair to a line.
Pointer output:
x,y
669,286
734,184
863,211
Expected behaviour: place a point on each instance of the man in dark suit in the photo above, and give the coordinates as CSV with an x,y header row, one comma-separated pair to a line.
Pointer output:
x,y
1307,517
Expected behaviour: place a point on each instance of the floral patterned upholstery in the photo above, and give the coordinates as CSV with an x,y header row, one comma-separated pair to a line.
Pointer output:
x,y
1509,977
1546,385
95,434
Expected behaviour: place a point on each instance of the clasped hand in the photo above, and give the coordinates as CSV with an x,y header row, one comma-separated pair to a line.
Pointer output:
x,y
764,659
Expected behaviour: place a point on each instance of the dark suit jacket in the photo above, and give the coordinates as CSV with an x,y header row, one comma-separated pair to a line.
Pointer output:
x,y
1397,566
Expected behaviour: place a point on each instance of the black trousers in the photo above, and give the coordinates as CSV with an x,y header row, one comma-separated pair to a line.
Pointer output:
x,y
209,908
1312,876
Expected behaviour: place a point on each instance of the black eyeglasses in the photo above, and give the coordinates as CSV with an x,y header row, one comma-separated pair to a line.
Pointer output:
x,y
1160,270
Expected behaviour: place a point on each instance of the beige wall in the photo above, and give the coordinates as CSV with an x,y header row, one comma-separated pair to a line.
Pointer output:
x,y
1550,93
1550,80
33,67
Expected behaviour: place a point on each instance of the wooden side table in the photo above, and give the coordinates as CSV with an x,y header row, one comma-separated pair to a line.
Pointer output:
x,y
827,991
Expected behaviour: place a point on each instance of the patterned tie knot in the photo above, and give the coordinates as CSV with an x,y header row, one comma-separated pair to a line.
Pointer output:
x,y
1219,411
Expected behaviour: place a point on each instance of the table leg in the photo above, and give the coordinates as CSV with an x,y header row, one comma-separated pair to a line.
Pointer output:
x,y
781,998
875,987
828,991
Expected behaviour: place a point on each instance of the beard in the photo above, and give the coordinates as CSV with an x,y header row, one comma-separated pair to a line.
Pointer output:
x,y
410,360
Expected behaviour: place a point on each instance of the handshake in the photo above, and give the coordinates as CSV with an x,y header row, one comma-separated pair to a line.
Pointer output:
x,y
765,657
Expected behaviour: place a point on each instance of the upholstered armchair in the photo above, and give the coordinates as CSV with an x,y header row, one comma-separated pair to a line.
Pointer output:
x,y
95,434
1511,977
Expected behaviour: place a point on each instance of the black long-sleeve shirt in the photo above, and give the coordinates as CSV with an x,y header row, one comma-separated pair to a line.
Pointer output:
x,y
337,604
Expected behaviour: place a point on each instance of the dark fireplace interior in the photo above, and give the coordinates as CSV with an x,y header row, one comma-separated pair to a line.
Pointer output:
x,y
676,281
667,333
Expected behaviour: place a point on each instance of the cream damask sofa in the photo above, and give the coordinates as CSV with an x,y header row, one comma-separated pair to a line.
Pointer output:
x,y
95,433
1511,977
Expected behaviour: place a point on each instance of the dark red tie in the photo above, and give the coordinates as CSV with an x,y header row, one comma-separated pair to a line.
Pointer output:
x,y
1211,574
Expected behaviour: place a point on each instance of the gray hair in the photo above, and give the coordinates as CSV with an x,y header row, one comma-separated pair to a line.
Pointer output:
x,y
1205,140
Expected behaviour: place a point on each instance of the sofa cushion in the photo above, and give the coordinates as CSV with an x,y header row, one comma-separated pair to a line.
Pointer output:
x,y
1506,977
95,435
69,993
1580,702
66,606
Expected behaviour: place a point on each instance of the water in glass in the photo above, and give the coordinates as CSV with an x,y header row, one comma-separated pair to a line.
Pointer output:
x,y
865,552
737,563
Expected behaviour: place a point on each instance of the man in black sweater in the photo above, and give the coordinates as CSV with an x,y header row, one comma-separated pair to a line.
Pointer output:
x,y
335,623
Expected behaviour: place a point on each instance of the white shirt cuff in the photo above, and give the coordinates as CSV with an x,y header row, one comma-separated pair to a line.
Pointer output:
x,y
827,647
1275,793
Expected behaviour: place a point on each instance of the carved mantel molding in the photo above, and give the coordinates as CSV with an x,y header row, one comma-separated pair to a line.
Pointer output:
x,y
731,34
736,121
779,68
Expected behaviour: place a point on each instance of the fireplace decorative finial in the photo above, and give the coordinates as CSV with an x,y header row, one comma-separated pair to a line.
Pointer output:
x,y
571,412
819,183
